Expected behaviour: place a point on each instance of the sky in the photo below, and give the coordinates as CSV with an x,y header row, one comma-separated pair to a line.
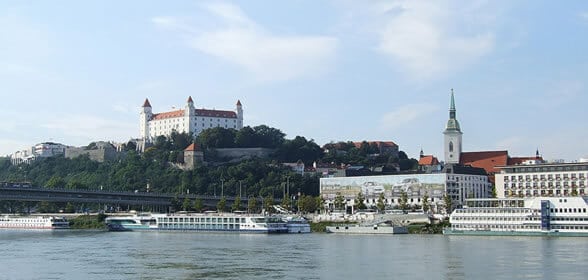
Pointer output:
x,y
75,72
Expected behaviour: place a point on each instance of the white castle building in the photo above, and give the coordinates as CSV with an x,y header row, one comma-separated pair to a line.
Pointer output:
x,y
187,120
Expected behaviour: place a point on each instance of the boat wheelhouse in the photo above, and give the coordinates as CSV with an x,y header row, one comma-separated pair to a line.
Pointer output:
x,y
225,222
33,222
557,216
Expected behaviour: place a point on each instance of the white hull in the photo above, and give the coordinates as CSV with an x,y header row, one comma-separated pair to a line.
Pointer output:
x,y
358,229
33,222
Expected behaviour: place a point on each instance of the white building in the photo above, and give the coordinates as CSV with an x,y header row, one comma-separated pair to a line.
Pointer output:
x,y
543,179
41,150
458,186
187,120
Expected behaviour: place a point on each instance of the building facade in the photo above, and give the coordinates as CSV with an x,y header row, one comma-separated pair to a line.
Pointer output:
x,y
187,120
534,179
435,186
41,150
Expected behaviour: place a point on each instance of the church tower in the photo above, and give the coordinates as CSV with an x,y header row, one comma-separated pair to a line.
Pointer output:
x,y
452,135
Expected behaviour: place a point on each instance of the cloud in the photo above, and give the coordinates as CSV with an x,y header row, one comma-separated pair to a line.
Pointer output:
x,y
584,15
405,115
90,128
428,39
241,41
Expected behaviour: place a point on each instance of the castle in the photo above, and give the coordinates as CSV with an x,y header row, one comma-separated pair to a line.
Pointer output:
x,y
187,120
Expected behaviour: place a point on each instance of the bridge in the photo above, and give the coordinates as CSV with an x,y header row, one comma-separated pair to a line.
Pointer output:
x,y
159,200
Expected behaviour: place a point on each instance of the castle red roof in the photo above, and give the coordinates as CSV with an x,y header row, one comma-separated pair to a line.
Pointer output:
x,y
428,160
199,113
168,115
488,160
216,113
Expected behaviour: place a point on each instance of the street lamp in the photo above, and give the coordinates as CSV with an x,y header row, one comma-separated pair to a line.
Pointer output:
x,y
222,187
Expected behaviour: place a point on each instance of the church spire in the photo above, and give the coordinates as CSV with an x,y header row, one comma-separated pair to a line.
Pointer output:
x,y
452,106
452,123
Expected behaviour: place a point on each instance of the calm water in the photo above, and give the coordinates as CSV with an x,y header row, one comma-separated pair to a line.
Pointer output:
x,y
165,255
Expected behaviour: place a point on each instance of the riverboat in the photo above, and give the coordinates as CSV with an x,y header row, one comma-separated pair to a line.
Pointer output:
x,y
540,216
297,224
33,222
382,228
207,222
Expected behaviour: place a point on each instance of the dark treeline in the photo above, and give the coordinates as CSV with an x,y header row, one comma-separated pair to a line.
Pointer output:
x,y
155,170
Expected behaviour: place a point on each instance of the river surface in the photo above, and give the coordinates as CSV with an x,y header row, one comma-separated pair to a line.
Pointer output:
x,y
73,254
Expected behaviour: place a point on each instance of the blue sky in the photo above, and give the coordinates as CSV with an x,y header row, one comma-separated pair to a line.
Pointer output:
x,y
78,71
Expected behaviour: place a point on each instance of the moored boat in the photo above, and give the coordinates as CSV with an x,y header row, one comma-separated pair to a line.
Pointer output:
x,y
381,228
33,222
217,222
539,216
296,224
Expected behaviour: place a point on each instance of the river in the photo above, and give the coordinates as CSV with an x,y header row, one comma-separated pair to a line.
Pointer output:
x,y
76,254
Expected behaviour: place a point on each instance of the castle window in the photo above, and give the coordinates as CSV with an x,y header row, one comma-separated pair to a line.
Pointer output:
x,y
451,146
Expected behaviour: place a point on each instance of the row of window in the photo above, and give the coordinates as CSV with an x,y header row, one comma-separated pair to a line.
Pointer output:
x,y
201,220
571,167
565,176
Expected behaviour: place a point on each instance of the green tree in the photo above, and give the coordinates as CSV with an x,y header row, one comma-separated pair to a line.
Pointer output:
x,y
381,205
287,203
221,205
186,206
55,182
307,204
403,200
359,204
237,204
320,203
447,201
339,201
252,205
425,201
69,208
198,205
268,204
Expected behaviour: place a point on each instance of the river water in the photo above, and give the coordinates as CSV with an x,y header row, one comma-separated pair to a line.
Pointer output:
x,y
73,254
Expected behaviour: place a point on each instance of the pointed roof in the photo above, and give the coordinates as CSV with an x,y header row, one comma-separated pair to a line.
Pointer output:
x,y
193,148
190,99
238,102
146,103
452,123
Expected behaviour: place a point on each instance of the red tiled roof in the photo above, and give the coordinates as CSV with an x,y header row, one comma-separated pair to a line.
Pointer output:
x,y
428,160
379,143
193,147
199,112
146,103
216,113
487,160
168,115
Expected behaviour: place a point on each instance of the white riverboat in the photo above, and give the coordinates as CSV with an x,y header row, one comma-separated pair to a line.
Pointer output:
x,y
544,216
33,222
217,222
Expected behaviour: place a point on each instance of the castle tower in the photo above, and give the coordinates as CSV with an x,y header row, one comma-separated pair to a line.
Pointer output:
x,y
239,115
193,156
144,119
452,136
189,123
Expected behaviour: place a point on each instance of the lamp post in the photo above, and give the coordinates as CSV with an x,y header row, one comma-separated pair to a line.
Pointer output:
x,y
239,188
222,187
